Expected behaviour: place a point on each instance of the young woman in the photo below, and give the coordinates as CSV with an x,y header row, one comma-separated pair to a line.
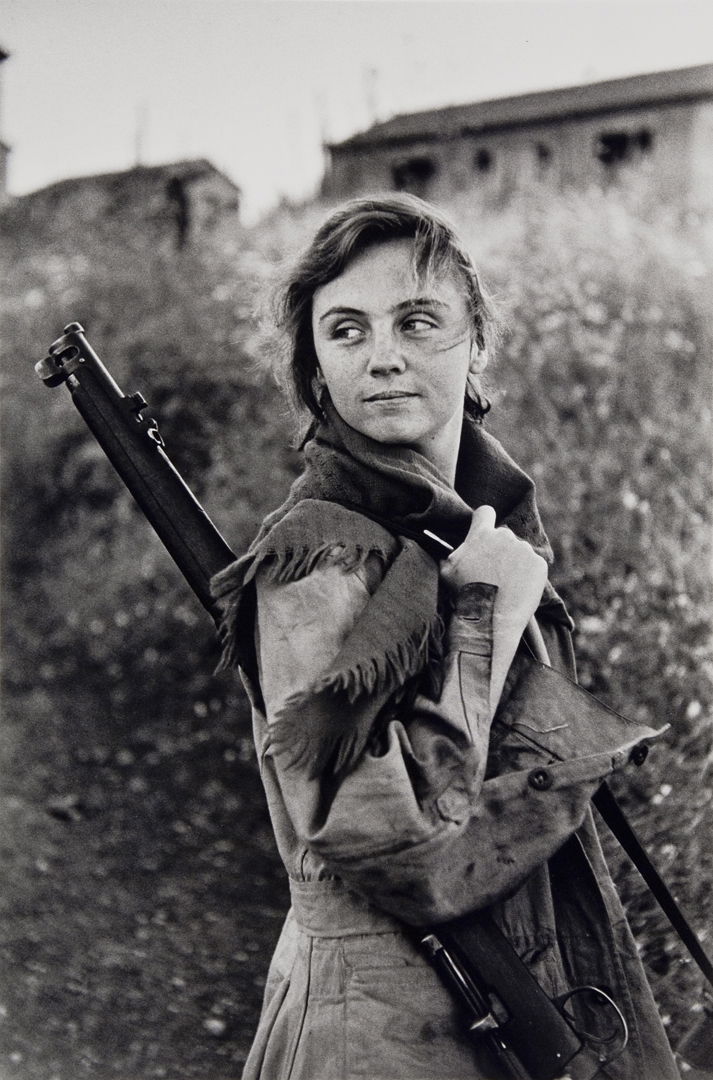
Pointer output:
x,y
375,670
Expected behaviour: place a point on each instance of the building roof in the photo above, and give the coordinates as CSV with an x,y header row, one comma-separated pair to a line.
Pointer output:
x,y
190,170
656,88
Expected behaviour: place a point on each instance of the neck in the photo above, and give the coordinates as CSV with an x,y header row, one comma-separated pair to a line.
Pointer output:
x,y
442,448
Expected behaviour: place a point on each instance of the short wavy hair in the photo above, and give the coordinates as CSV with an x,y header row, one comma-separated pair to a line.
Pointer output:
x,y
350,230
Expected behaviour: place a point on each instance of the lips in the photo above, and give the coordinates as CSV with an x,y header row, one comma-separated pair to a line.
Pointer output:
x,y
390,395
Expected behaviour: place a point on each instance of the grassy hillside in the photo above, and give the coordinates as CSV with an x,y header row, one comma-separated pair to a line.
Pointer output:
x,y
142,891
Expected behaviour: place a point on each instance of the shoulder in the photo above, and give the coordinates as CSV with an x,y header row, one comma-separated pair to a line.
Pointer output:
x,y
320,546
303,621
315,611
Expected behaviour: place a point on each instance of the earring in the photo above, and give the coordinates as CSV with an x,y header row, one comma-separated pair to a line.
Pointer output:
x,y
478,359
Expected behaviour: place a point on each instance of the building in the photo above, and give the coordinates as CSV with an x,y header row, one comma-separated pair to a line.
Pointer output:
x,y
182,203
657,126
4,148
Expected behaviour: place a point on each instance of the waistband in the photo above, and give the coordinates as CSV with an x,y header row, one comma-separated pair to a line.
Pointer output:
x,y
329,909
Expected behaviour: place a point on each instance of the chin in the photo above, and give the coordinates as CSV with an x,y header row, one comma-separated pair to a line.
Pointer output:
x,y
396,435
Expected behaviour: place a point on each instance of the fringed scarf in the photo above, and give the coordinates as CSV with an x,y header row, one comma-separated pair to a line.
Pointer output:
x,y
336,512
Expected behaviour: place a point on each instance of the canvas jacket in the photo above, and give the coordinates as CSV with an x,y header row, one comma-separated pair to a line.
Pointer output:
x,y
445,813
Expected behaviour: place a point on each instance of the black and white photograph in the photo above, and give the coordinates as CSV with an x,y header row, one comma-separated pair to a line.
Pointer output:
x,y
357,567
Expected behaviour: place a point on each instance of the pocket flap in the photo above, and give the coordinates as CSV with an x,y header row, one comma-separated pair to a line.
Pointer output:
x,y
551,712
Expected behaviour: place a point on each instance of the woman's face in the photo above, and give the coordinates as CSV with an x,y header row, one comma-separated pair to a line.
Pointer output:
x,y
395,354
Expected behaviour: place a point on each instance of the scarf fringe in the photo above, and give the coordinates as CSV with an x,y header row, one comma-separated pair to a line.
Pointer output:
x,y
310,733
385,672
291,564
334,756
285,565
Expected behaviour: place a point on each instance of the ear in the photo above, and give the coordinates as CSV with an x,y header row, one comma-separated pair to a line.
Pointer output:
x,y
478,359
319,377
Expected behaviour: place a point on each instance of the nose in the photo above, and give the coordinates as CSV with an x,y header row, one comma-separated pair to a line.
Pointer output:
x,y
386,356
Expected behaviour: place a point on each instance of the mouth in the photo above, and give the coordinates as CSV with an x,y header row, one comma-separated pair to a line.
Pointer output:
x,y
390,395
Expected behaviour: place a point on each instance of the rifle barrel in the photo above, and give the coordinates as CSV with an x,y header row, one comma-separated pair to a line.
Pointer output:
x,y
133,444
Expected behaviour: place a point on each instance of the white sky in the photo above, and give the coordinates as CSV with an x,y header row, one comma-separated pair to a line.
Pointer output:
x,y
95,85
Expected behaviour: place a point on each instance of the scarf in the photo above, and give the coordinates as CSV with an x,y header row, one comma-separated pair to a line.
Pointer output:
x,y
349,480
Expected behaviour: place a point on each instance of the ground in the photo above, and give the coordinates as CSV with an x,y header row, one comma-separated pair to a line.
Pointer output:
x,y
140,904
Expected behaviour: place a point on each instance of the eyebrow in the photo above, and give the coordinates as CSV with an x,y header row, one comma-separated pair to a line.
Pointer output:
x,y
417,301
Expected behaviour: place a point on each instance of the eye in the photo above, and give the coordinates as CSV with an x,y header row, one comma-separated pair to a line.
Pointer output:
x,y
346,332
418,322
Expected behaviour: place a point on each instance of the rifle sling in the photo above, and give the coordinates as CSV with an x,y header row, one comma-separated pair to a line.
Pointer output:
x,y
617,822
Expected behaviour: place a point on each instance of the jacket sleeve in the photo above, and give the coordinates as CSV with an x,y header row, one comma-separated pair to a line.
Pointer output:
x,y
433,821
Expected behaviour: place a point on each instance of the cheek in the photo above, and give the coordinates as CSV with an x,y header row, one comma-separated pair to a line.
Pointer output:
x,y
337,377
450,374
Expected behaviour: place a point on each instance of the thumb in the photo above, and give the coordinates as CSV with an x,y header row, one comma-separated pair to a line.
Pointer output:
x,y
482,522
483,519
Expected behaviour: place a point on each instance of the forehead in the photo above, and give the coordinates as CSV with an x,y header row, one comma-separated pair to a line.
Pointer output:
x,y
383,275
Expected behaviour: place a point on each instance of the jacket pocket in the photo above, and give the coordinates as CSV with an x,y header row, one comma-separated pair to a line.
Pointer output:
x,y
400,1020
546,715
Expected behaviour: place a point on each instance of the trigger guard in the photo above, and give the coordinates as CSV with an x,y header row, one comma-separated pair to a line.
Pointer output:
x,y
589,1036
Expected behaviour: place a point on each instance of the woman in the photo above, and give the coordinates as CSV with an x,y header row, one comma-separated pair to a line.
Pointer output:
x,y
375,670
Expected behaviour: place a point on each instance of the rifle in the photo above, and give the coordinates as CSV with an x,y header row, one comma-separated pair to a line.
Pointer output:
x,y
530,1035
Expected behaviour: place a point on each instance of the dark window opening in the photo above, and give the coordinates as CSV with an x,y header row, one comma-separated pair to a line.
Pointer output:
x,y
414,175
483,160
644,139
616,147
180,209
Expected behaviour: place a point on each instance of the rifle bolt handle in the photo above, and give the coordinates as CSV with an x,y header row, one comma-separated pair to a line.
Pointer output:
x,y
138,402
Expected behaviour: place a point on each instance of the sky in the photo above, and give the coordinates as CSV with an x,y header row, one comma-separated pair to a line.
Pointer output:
x,y
257,86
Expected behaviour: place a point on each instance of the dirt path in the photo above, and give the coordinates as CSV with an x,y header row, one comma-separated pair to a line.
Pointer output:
x,y
141,899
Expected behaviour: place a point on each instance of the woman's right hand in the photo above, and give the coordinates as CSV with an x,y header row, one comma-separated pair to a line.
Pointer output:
x,y
495,556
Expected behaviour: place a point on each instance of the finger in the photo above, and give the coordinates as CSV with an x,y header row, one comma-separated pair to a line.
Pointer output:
x,y
483,518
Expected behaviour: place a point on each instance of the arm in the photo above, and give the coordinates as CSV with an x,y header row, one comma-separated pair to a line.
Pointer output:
x,y
416,825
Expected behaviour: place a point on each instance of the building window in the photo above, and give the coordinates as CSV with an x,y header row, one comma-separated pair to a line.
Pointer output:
x,y
645,140
543,159
616,147
414,175
180,209
483,160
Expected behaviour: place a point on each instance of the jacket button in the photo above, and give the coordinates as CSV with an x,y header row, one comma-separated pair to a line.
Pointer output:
x,y
639,754
540,779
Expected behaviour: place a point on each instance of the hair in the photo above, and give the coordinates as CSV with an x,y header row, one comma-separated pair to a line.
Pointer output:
x,y
349,231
